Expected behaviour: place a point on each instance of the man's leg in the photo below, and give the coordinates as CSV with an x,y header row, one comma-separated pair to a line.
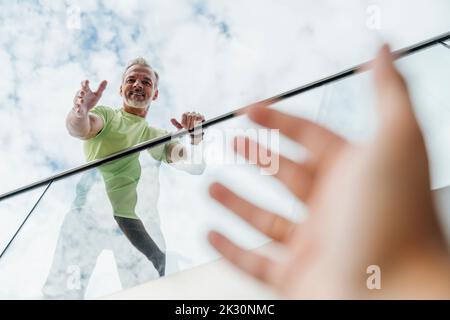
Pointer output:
x,y
133,266
74,259
135,231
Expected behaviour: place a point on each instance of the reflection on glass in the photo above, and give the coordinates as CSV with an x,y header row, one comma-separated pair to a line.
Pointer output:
x,y
14,212
131,231
348,106
138,218
96,221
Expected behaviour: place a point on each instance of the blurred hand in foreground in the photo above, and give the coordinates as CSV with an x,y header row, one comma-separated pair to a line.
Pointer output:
x,y
369,204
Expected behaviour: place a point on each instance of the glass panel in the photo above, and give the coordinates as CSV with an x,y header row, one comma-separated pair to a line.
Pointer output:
x,y
84,239
347,106
73,247
13,211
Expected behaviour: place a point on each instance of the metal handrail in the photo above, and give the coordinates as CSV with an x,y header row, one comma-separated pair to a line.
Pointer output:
x,y
240,111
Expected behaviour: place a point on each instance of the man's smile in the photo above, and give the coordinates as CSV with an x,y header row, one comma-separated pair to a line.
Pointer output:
x,y
137,95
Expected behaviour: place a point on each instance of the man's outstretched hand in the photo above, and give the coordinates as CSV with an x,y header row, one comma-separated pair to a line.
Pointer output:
x,y
188,121
369,205
86,99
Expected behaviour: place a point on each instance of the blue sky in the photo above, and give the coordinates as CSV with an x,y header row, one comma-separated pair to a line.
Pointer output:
x,y
212,56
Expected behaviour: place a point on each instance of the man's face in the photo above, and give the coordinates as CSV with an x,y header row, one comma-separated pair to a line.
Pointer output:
x,y
138,88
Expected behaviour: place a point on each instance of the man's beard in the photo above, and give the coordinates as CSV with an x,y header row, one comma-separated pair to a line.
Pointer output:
x,y
137,104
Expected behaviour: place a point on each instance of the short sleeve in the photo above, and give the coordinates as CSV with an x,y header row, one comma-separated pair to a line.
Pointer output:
x,y
160,152
105,113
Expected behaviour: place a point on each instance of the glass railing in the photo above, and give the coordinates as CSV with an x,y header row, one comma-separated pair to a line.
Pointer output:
x,y
137,218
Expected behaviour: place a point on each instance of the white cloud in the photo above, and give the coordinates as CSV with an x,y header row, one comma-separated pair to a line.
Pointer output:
x,y
212,56
7,78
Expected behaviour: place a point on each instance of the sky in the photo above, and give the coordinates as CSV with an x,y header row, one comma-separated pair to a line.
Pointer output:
x,y
212,56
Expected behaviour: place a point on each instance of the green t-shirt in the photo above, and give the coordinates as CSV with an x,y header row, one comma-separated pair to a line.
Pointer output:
x,y
122,130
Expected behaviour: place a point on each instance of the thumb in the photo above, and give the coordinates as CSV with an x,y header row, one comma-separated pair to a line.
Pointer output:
x,y
393,102
102,87
176,123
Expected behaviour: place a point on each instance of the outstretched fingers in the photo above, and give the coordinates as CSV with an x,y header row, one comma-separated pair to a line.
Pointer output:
x,y
393,102
260,267
296,176
85,86
272,225
319,140
176,123
101,87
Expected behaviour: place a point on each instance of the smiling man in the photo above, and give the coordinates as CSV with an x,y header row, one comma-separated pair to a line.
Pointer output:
x,y
106,131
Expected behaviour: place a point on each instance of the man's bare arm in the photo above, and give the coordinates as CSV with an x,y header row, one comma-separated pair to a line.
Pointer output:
x,y
190,161
176,152
83,127
79,122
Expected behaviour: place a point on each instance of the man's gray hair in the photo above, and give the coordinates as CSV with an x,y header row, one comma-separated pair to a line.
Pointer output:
x,y
141,62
